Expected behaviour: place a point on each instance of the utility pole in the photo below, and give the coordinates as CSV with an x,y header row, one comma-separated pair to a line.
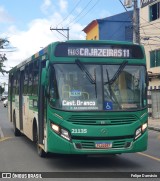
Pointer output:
x,y
134,4
62,29
136,38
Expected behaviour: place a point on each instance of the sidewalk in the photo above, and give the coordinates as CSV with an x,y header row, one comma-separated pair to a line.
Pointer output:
x,y
154,124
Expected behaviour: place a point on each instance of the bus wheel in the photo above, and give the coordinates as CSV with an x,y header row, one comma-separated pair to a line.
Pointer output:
x,y
15,130
40,151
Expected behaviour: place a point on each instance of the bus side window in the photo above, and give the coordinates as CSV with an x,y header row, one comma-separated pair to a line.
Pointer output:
x,y
25,90
53,93
17,83
35,78
30,77
14,84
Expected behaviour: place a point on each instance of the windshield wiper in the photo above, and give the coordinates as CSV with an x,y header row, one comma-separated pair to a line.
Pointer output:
x,y
112,94
83,68
120,69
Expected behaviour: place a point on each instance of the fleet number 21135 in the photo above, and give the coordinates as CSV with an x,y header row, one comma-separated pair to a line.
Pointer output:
x,y
82,131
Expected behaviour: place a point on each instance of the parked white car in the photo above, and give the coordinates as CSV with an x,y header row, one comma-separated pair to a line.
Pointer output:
x,y
4,96
5,103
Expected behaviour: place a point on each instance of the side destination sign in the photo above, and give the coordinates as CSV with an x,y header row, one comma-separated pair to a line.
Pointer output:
x,y
98,52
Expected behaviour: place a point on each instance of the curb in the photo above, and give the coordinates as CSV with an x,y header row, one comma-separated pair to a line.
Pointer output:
x,y
154,128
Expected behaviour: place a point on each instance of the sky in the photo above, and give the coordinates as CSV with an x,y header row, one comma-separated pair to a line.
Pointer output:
x,y
26,24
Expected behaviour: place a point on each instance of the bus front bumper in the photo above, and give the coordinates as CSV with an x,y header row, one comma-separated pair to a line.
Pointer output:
x,y
57,144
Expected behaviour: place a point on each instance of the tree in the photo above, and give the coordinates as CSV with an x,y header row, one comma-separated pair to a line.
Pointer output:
x,y
1,90
3,44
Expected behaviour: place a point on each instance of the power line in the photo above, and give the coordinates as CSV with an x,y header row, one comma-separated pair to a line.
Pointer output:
x,y
58,37
151,37
149,24
151,40
148,40
141,27
60,30
151,44
123,5
135,21
79,13
86,13
154,40
69,13
151,34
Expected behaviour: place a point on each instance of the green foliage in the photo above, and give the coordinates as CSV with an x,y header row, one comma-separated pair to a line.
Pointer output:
x,y
1,90
3,44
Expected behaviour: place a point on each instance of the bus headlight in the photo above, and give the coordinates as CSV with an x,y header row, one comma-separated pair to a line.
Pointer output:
x,y
61,131
144,127
55,127
140,130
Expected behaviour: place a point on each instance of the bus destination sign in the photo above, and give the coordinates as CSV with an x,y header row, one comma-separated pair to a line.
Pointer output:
x,y
98,52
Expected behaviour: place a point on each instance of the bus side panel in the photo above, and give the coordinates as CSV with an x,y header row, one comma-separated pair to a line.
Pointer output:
x,y
11,109
29,113
26,119
10,98
16,108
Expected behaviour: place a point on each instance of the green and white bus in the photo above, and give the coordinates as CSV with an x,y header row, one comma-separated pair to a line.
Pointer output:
x,y
82,97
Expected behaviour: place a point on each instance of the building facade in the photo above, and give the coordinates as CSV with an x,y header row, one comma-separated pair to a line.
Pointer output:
x,y
118,27
150,38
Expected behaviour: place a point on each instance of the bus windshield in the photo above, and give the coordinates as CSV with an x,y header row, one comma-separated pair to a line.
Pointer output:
x,y
93,87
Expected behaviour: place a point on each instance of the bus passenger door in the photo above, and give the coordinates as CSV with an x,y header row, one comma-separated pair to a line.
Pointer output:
x,y
21,101
41,107
11,80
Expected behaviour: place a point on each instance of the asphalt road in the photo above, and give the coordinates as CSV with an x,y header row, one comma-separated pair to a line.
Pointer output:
x,y
18,154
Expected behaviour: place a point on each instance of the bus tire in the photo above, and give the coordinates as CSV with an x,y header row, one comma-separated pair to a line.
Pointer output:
x,y
40,151
15,130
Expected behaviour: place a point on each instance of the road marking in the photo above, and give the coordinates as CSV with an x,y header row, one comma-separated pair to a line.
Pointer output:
x,y
5,138
149,156
1,133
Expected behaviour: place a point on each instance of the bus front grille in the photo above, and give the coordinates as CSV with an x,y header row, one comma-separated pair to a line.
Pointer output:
x,y
102,119
117,144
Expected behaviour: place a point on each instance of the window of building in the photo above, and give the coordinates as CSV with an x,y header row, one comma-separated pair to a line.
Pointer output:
x,y
155,58
155,11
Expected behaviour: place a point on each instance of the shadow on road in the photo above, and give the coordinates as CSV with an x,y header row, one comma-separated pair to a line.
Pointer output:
x,y
82,162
